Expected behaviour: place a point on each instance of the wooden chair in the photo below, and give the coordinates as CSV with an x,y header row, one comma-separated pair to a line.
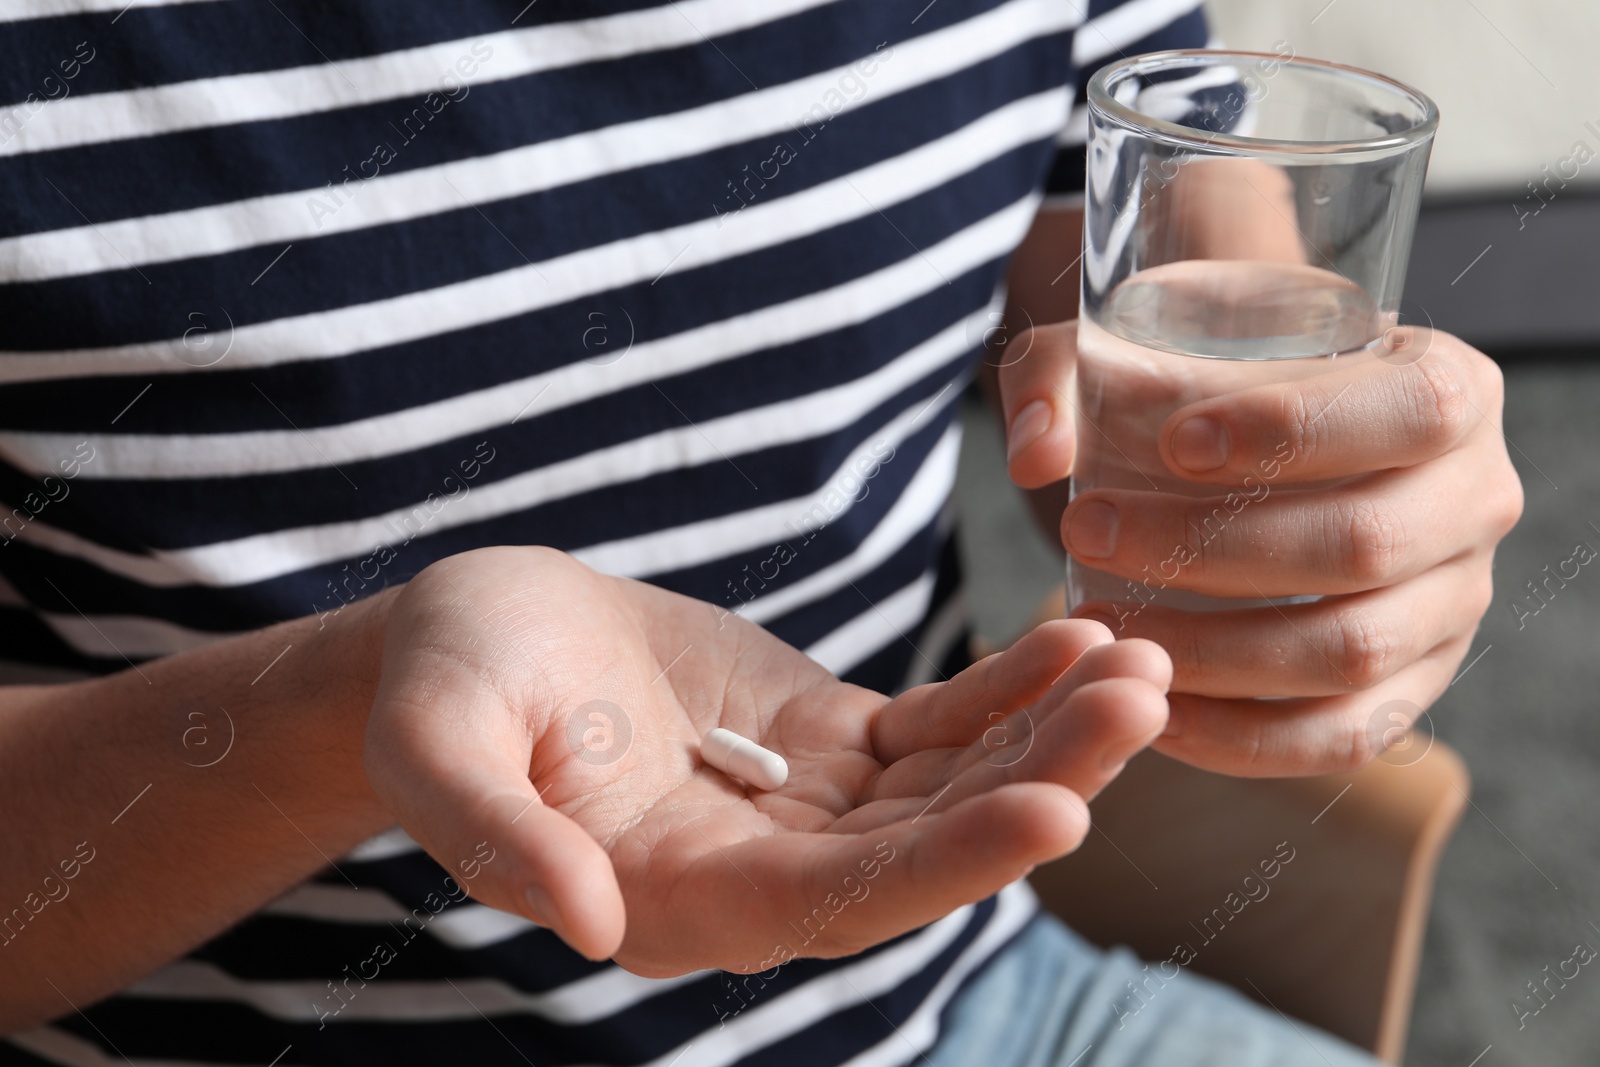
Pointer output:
x,y
1336,940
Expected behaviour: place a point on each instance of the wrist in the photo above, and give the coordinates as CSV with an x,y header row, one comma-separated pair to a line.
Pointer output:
x,y
327,701
280,713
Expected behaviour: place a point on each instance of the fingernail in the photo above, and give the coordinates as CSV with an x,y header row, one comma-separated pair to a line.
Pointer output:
x,y
542,907
1200,444
1029,425
1092,531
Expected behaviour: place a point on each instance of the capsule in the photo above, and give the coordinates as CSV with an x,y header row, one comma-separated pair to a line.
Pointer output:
x,y
741,757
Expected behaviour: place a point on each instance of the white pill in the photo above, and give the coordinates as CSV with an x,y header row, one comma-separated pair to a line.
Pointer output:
x,y
743,758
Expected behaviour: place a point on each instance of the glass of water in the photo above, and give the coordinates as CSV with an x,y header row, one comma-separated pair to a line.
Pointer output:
x,y
1247,221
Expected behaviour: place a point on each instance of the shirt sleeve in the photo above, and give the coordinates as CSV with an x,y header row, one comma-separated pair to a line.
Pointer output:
x,y
1112,30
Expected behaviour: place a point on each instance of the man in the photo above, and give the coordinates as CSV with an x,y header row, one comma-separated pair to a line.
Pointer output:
x,y
307,306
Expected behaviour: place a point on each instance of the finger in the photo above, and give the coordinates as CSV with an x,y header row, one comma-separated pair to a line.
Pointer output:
x,y
1080,742
965,854
1010,731
451,763
1360,535
1143,660
1036,394
954,713
1364,413
792,895
1081,746
1330,646
1304,735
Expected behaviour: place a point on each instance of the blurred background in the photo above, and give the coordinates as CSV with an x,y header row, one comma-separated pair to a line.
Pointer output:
x,y
1507,256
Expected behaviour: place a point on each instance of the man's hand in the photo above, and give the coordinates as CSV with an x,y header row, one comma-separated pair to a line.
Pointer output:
x,y
554,713
1397,493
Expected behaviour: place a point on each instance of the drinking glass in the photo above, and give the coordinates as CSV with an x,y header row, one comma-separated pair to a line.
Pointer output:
x,y
1247,221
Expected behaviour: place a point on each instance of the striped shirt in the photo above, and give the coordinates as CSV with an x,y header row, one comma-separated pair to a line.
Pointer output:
x,y
298,298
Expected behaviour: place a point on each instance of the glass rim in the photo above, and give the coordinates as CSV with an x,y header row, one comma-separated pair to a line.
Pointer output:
x,y
1100,100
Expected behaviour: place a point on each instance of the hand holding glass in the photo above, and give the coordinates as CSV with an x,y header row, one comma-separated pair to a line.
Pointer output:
x,y
1247,221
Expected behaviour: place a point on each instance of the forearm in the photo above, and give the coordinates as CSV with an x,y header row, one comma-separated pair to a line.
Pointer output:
x,y
149,810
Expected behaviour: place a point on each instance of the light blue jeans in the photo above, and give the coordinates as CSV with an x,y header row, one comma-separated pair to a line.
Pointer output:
x,y
1051,999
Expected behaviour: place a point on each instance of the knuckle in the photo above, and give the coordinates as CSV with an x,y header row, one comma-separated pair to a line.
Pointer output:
x,y
1370,542
1297,415
1368,651
1202,538
1506,503
1246,749
1353,753
1481,371
1191,653
1441,406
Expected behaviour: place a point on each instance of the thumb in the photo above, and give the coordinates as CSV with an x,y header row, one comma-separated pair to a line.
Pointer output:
x,y
449,759
1036,392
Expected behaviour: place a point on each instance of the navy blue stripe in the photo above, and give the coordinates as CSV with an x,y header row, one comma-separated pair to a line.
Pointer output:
x,y
1067,170
13,1056
24,638
254,950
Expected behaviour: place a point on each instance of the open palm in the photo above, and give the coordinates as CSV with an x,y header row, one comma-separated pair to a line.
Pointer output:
x,y
555,713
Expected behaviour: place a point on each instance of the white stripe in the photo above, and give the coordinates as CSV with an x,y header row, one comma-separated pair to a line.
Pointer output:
x,y
475,926
882,623
1015,905
133,636
337,904
1173,101
502,295
264,556
233,454
1062,202
21,10
1076,132
924,495
468,926
387,999
1121,26
236,98
425,191
392,842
